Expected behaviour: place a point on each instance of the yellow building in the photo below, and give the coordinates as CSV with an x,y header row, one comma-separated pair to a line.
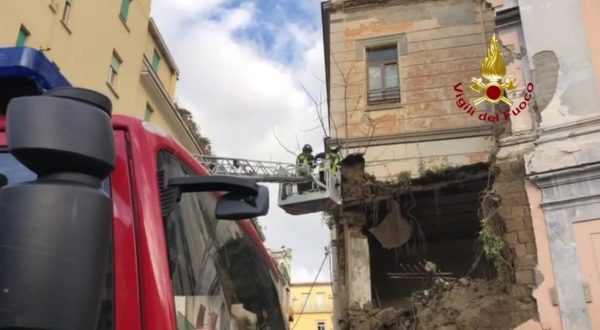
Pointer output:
x,y
318,306
111,46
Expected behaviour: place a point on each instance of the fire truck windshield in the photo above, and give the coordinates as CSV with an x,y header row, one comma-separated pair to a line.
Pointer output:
x,y
15,172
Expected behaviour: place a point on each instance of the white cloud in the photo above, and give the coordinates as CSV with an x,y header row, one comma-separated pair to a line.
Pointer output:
x,y
303,275
238,94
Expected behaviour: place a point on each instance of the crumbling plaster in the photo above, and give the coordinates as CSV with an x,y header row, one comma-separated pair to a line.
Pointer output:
x,y
576,90
548,313
561,164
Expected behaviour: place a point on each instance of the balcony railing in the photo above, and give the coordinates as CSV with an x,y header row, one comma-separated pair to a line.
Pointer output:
x,y
384,95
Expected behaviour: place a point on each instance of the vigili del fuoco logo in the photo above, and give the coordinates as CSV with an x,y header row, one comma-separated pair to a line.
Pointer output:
x,y
493,88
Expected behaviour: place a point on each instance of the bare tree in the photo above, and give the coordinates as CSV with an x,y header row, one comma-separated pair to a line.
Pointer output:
x,y
318,104
352,106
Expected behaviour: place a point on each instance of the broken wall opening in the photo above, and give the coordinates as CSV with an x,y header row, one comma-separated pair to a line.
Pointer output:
x,y
442,210
451,215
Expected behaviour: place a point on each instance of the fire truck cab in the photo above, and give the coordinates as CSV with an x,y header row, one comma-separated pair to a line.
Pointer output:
x,y
108,223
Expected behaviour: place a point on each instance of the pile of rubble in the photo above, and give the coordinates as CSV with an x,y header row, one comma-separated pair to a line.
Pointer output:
x,y
371,318
463,304
358,185
447,305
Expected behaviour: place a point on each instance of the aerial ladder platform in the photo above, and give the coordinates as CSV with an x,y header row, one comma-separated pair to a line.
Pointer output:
x,y
302,190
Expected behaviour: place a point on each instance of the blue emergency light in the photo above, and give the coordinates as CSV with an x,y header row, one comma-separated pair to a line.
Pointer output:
x,y
26,71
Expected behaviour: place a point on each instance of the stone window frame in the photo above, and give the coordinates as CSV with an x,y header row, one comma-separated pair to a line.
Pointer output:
x,y
361,56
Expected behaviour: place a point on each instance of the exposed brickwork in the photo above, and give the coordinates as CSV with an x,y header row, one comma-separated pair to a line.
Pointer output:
x,y
519,236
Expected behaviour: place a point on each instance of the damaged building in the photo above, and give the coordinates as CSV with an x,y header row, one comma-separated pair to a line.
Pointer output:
x,y
457,213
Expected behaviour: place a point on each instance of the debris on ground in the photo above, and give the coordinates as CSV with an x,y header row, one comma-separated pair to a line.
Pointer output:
x,y
464,281
430,267
462,304
467,304
371,318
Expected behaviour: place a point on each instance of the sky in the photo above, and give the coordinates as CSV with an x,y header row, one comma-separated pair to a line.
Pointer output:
x,y
244,68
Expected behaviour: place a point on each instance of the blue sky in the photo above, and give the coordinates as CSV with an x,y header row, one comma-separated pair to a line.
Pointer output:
x,y
242,64
266,32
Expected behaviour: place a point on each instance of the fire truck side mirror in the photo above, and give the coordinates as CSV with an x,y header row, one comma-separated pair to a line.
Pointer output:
x,y
235,207
244,199
55,231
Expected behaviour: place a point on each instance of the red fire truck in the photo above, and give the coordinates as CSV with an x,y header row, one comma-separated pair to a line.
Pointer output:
x,y
106,223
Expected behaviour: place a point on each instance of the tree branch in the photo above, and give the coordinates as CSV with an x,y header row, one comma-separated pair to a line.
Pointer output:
x,y
317,106
281,144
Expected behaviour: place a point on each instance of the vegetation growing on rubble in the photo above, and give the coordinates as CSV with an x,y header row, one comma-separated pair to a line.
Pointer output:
x,y
491,232
331,217
492,243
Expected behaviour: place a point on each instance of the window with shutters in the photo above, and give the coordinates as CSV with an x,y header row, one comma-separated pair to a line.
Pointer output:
x,y
22,36
113,72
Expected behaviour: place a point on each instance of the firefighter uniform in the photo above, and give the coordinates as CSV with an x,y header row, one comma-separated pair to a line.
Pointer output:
x,y
334,159
305,162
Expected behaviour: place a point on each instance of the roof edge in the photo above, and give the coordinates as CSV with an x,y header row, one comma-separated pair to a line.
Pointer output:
x,y
162,45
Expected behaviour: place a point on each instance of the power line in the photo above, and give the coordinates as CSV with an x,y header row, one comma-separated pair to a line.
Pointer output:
x,y
310,290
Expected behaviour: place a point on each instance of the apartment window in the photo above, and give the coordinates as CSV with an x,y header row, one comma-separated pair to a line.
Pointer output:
x,y
125,8
321,325
155,61
149,112
67,11
22,36
113,72
383,80
320,300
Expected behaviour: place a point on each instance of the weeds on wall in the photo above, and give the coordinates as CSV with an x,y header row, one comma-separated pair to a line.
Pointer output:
x,y
491,242
492,230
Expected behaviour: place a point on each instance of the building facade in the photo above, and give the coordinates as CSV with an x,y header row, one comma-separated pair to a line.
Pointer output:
x,y
283,260
515,182
312,306
113,47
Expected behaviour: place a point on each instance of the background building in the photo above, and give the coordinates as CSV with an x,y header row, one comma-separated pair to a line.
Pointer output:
x,y
283,260
313,309
111,46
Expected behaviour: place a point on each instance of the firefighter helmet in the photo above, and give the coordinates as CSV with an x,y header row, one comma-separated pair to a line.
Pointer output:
x,y
307,148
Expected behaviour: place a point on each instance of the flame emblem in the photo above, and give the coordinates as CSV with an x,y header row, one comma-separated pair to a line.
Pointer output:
x,y
493,70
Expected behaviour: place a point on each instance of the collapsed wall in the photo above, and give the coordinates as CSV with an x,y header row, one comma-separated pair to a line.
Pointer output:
x,y
468,261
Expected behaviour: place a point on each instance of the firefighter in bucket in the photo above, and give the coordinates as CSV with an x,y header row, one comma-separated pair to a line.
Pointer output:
x,y
305,163
332,157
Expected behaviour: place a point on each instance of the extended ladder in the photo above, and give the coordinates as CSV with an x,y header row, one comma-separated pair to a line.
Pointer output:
x,y
263,171
318,194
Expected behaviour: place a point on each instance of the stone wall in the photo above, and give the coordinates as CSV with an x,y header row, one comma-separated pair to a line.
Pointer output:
x,y
519,237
